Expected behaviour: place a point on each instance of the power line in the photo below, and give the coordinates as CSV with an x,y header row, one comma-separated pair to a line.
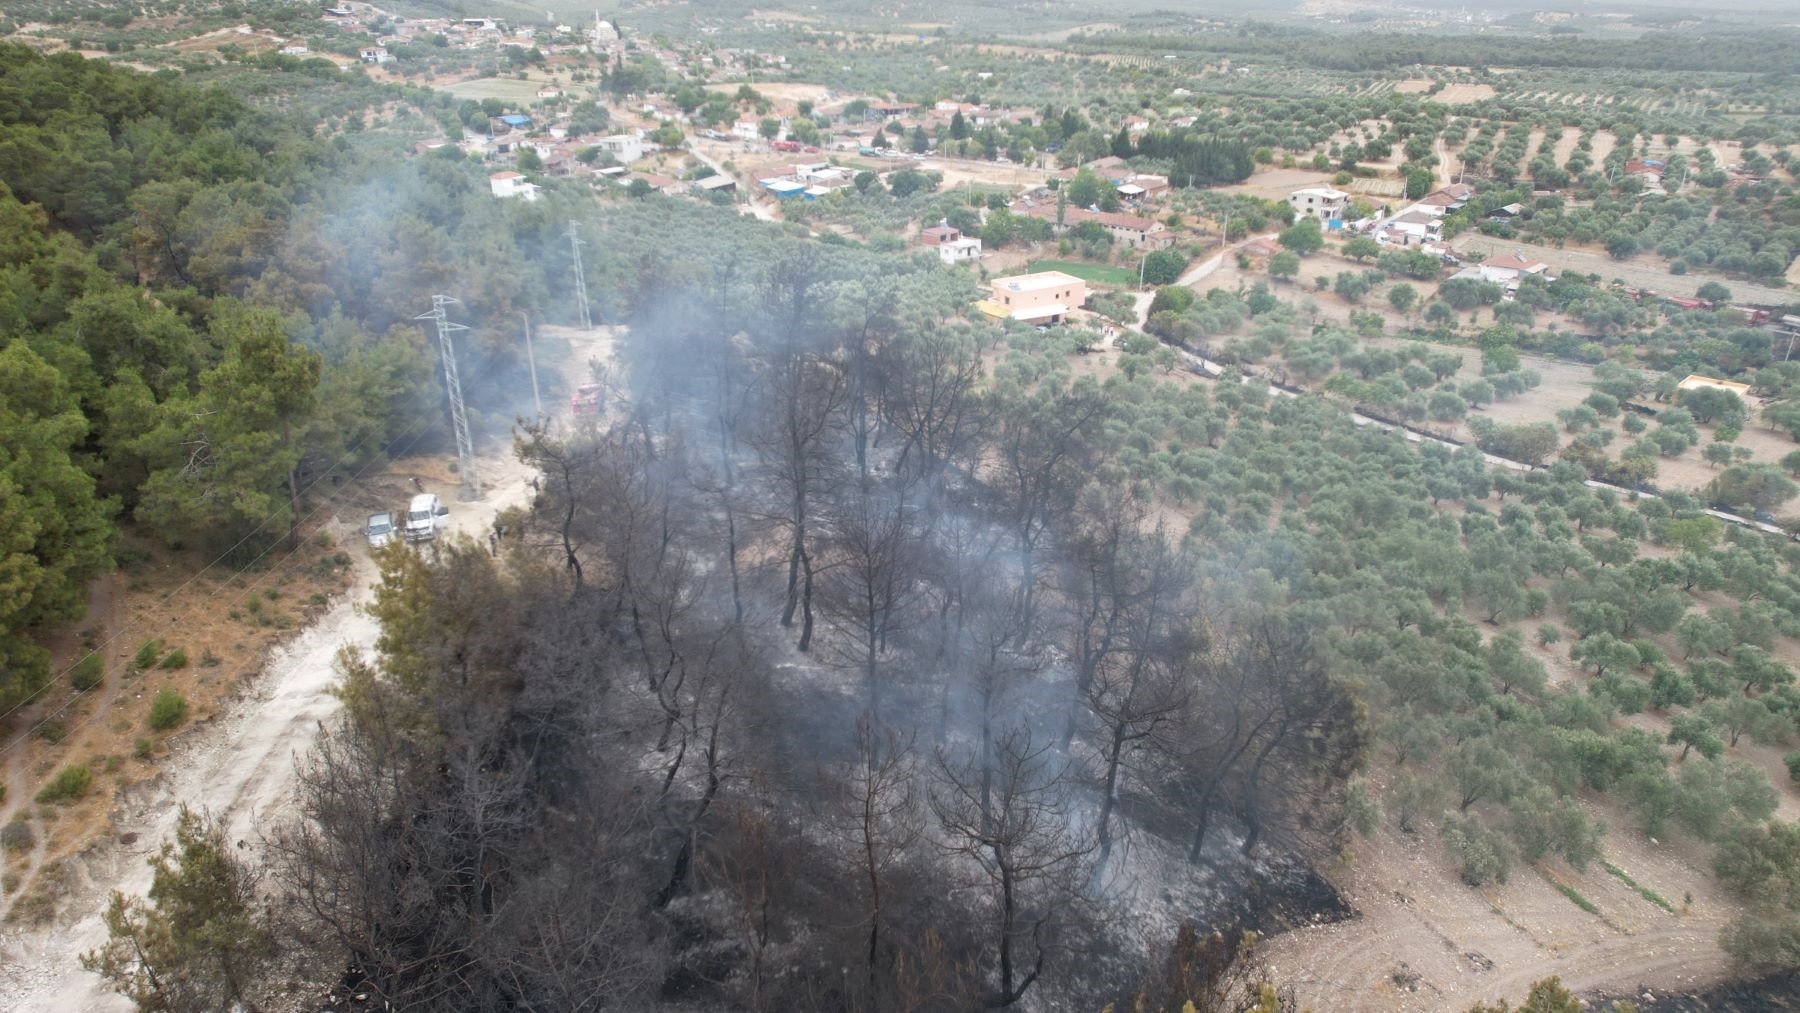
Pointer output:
x,y
203,571
459,416
254,586
581,296
419,419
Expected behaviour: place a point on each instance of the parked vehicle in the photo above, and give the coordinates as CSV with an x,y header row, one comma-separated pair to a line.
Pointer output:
x,y
380,530
422,517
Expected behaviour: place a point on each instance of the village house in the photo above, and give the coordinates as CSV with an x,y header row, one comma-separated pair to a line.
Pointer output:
x,y
512,184
624,148
1321,202
1132,231
1505,270
951,245
1412,227
375,54
1445,200
1045,297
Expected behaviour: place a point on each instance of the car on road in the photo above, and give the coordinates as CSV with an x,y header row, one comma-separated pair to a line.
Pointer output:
x,y
380,530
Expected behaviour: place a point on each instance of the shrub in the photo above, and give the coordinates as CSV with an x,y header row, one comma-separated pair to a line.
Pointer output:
x,y
1793,765
176,659
89,672
142,748
16,836
168,709
146,655
1482,853
70,783
51,730
1361,809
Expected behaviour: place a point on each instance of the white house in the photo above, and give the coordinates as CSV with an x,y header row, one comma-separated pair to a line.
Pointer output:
x,y
1321,202
624,148
962,250
512,184
745,130
375,54
1416,226
1505,270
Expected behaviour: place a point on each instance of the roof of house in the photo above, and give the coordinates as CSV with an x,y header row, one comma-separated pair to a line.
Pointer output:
x,y
1036,281
1514,261
942,232
1326,192
507,175
1695,380
1415,218
1116,220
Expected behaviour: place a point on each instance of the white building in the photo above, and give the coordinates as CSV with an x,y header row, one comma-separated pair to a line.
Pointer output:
x,y
745,130
375,54
512,184
624,148
962,250
1321,202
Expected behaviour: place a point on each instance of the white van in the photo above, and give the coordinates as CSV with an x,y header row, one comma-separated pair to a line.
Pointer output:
x,y
422,517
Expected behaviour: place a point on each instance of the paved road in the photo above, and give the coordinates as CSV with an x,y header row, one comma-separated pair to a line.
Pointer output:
x,y
1640,272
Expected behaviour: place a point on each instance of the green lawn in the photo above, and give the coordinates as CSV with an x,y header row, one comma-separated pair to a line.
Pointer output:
x,y
1099,274
509,90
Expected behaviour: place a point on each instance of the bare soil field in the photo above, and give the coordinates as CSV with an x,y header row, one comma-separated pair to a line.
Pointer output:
x,y
1565,144
1642,271
1276,184
1425,941
1456,94
1413,86
792,91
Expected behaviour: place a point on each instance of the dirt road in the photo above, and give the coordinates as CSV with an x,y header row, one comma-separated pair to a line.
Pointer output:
x,y
240,768
1642,271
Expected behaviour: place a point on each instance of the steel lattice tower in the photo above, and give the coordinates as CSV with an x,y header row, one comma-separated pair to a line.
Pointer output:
x,y
459,417
581,299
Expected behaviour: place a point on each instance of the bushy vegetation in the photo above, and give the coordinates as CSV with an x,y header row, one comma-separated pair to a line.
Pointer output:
x,y
167,709
69,784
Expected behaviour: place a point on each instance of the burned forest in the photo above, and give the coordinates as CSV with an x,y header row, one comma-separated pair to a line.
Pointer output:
x,y
828,670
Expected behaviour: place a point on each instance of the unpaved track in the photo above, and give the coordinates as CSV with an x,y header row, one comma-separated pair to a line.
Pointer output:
x,y
241,768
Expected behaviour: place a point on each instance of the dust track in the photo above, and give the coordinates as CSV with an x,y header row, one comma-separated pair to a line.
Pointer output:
x,y
240,767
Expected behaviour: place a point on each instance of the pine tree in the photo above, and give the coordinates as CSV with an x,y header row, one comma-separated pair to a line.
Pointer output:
x,y
201,941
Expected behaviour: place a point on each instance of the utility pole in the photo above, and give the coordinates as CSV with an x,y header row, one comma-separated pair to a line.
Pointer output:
x,y
459,417
581,299
537,403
